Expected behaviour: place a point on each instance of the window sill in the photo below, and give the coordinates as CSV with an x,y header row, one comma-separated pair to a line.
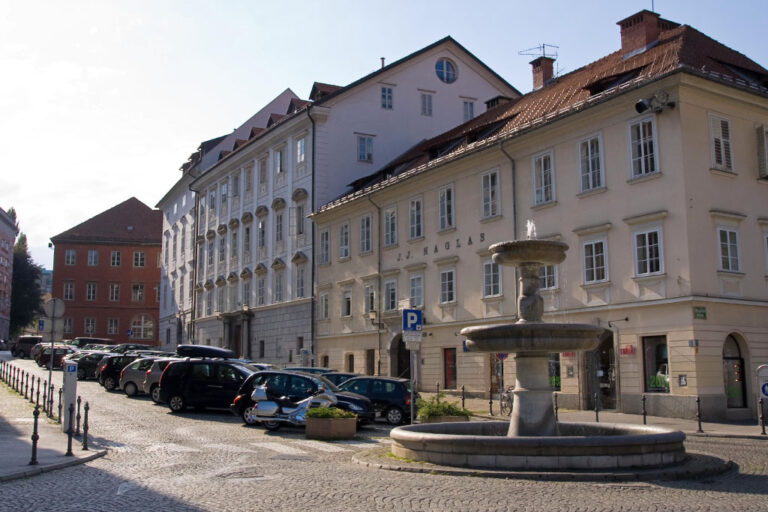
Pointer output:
x,y
416,239
344,259
492,218
544,206
324,264
492,299
390,247
366,253
596,285
549,291
730,273
645,177
592,192
446,230
448,304
723,172
649,277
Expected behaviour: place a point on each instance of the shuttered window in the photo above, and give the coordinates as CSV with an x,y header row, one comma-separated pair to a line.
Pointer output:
x,y
722,157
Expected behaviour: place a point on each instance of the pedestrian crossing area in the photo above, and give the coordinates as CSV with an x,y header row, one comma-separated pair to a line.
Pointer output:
x,y
300,447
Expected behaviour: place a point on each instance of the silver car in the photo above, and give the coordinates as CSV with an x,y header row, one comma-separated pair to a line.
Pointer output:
x,y
152,377
132,376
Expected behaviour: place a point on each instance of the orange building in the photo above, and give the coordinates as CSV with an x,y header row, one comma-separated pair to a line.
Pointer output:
x,y
107,272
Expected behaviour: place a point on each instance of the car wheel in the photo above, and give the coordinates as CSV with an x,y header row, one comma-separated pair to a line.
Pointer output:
x,y
81,374
394,416
271,425
154,394
246,415
177,403
130,389
109,383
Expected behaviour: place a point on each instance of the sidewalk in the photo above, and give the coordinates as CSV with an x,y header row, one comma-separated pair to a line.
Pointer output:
x,y
16,423
479,407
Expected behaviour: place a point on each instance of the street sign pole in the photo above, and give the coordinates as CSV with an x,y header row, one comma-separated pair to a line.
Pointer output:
x,y
412,322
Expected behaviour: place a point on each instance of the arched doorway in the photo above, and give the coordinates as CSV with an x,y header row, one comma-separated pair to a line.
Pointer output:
x,y
601,374
734,379
399,357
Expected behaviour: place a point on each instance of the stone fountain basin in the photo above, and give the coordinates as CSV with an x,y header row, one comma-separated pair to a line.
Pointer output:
x,y
519,252
595,446
533,337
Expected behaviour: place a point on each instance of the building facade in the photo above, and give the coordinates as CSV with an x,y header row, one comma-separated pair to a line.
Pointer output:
x,y
8,232
254,265
650,163
107,272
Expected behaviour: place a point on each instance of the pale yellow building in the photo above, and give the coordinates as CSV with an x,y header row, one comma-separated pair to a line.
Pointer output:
x,y
650,163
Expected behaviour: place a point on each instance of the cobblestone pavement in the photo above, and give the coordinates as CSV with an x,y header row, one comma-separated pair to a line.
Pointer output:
x,y
211,461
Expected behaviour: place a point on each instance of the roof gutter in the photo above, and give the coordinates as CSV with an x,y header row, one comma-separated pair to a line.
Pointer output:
x,y
514,206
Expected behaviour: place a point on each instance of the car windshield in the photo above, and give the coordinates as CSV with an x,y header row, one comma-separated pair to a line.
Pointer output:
x,y
245,370
328,384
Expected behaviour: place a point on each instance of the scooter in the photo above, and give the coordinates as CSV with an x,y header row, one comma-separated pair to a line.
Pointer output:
x,y
274,412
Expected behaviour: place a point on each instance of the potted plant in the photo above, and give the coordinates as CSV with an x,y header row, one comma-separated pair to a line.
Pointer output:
x,y
436,411
330,423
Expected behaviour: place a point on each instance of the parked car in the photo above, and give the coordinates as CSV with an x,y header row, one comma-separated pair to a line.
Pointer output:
x,y
22,347
308,369
82,341
201,383
391,397
338,377
110,368
132,376
150,384
88,363
295,386
203,351
59,351
126,347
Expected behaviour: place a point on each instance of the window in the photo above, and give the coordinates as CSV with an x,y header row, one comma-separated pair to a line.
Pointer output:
x,y
249,179
548,277
656,359
591,169
93,257
491,279
210,252
647,252
261,291
370,298
222,249
143,328
300,151
90,325
212,201
181,294
220,299
445,202
262,350
278,227
447,286
365,234
426,104
183,240
642,145
114,292
223,193
263,177
325,247
344,241
233,247
278,286
390,227
386,98
113,326
729,250
543,179
262,233
236,185
490,194
69,257
469,110
416,287
137,293
138,259
445,70
69,290
175,241
720,131
765,246
114,259
246,243
415,219
209,302
322,306
297,221
300,278
68,325
390,295
90,291
346,303
278,161
594,262
364,148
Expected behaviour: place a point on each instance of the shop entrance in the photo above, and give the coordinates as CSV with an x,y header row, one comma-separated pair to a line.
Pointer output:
x,y
236,342
601,375
733,374
400,358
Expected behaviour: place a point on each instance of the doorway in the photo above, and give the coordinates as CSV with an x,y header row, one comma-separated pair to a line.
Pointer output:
x,y
401,359
601,375
733,374
449,368
236,344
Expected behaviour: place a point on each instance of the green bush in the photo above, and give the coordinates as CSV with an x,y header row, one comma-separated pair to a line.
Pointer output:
x,y
432,408
329,412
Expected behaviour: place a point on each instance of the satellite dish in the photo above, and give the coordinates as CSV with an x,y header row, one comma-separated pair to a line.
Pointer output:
x,y
54,308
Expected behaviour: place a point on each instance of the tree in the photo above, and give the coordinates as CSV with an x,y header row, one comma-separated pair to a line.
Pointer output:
x,y
26,302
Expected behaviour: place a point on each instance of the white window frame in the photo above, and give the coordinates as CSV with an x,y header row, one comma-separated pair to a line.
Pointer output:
x,y
365,233
90,291
93,257
346,303
322,306
547,278
278,290
445,201
448,286
390,295
344,240
324,249
416,290
389,219
587,154
89,325
365,148
729,249
301,154
113,326
114,258
642,159
592,243
369,294
139,259
491,279
278,227
301,271
68,292
468,109
543,178
278,161
489,184
114,292
415,218
426,104
209,300
722,141
645,233
68,325
70,257
386,97
261,291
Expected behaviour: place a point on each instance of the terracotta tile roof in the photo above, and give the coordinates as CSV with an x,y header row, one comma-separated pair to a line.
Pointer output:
x,y
238,143
320,90
681,48
255,132
130,222
297,104
275,118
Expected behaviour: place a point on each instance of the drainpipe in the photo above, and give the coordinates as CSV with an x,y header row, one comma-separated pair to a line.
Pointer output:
x,y
312,278
378,273
193,242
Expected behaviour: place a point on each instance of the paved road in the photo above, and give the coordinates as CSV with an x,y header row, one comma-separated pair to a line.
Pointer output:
x,y
210,461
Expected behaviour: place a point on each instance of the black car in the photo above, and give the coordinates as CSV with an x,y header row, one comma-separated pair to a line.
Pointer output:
x,y
308,369
88,363
391,397
338,377
22,347
82,341
296,386
126,347
201,383
110,368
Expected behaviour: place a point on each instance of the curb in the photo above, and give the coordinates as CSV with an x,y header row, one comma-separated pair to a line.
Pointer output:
x,y
52,467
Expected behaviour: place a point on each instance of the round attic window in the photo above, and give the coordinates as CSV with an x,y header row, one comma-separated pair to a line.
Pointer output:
x,y
446,70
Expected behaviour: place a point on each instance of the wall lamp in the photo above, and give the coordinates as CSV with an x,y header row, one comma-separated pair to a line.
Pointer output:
x,y
655,103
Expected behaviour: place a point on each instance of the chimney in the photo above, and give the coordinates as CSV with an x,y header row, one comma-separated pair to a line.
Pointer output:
x,y
639,30
542,71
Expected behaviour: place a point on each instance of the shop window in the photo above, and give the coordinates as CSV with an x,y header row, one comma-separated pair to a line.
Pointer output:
x,y
656,359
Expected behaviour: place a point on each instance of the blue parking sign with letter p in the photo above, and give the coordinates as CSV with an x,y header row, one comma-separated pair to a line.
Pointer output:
x,y
411,320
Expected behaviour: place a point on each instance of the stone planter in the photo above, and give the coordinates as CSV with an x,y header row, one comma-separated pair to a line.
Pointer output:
x,y
331,428
445,419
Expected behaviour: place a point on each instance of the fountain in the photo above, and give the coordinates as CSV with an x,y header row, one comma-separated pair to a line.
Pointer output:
x,y
533,439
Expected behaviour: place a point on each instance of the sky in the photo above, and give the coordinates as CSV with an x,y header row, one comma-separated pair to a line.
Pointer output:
x,y
104,100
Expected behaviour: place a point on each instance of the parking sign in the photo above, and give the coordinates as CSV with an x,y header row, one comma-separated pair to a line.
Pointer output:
x,y
412,327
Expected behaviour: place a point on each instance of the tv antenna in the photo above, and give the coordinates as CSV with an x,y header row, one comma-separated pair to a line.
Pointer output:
x,y
541,51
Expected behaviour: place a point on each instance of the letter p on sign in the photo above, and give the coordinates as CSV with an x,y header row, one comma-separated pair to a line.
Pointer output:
x,y
411,320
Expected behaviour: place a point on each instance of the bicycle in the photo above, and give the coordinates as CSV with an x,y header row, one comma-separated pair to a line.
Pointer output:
x,y
506,401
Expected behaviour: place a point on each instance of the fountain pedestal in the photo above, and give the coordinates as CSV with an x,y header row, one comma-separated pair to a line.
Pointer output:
x,y
532,412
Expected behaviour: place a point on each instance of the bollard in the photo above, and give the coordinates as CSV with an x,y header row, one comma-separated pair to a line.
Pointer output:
x,y
597,409
462,396
85,427
26,386
77,425
437,390
645,412
555,398
37,404
762,417
70,431
490,402
698,413
60,390
45,396
50,401
35,437
13,384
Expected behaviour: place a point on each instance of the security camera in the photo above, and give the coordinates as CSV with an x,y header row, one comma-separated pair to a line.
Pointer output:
x,y
642,105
